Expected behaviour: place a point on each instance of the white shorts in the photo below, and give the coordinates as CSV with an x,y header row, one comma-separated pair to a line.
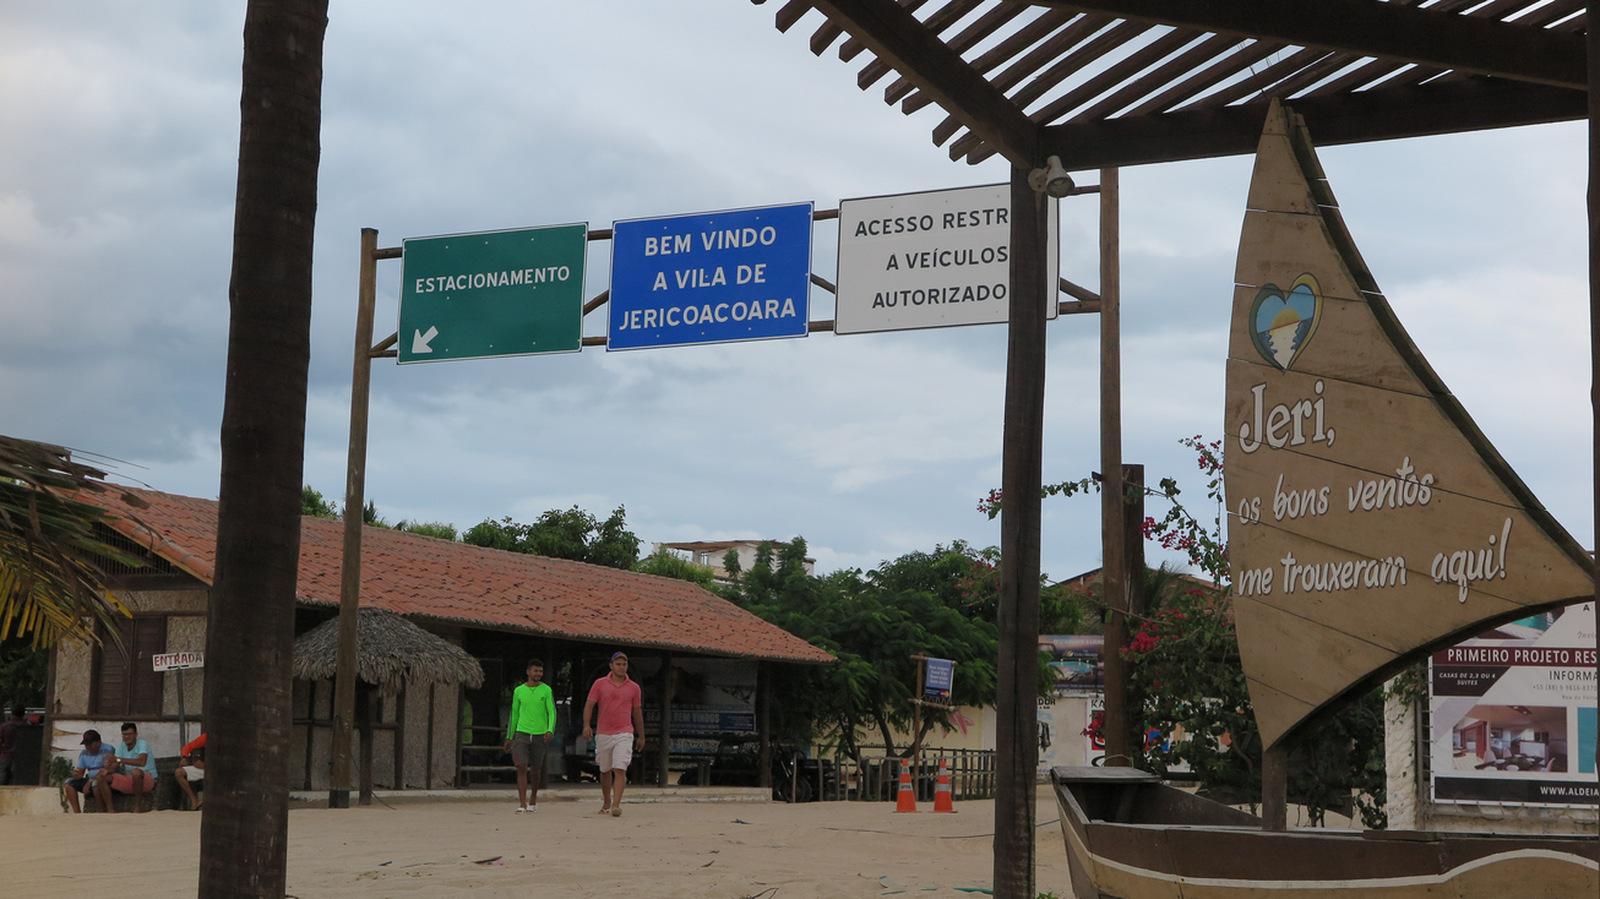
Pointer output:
x,y
613,751
192,774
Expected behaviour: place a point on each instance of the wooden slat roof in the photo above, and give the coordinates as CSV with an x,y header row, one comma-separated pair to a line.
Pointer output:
x,y
1121,82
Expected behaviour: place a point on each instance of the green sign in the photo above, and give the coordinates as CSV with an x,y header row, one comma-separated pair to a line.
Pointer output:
x,y
493,293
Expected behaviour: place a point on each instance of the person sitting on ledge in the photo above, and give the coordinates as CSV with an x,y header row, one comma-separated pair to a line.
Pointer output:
x,y
94,761
133,769
192,769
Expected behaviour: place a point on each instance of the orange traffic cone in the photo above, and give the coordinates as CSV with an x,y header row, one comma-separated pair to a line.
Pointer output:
x,y
943,798
906,801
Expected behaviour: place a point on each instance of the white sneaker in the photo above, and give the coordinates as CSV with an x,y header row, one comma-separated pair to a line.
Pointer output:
x,y
522,808
532,808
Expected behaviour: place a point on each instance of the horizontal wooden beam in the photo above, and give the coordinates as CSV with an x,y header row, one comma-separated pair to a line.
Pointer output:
x,y
896,37
1468,105
1370,28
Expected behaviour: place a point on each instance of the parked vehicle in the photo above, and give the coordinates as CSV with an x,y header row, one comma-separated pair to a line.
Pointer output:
x,y
737,763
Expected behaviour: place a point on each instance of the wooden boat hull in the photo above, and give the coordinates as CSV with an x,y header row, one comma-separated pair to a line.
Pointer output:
x,y
1131,837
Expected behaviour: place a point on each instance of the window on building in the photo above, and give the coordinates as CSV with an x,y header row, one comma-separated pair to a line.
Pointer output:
x,y
128,685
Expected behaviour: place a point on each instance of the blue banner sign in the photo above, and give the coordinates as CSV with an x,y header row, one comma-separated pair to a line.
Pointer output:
x,y
937,680
694,721
714,277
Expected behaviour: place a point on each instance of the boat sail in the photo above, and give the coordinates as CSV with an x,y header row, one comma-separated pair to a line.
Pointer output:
x,y
1370,519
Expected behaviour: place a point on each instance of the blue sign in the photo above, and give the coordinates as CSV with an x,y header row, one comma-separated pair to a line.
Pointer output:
x,y
937,680
712,277
703,721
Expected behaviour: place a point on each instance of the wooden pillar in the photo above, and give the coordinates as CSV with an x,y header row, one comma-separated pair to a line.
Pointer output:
x,y
366,705
1275,788
400,738
47,743
1133,577
354,500
1022,456
311,727
764,723
1593,46
1133,544
427,777
1117,727
664,750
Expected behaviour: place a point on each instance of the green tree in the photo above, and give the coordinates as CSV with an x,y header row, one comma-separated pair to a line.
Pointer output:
x,y
503,534
23,668
667,564
439,529
313,503
563,534
873,622
370,516
1187,676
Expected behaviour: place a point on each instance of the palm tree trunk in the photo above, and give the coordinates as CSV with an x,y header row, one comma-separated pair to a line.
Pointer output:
x,y
244,835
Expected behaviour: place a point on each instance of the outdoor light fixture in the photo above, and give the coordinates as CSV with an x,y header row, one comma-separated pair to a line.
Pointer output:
x,y
1052,179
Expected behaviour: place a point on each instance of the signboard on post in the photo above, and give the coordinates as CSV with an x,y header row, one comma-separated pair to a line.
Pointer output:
x,y
929,260
1512,713
1369,518
178,661
712,277
938,680
492,293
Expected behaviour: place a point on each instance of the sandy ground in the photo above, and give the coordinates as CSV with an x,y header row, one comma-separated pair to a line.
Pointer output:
x,y
774,851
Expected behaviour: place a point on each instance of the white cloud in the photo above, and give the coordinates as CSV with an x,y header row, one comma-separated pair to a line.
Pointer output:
x,y
115,241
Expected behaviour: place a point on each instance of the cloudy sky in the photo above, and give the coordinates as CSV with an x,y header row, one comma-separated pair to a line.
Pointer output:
x,y
116,190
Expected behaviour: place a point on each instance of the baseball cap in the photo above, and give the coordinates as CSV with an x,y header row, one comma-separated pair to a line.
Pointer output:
x,y
619,654
90,736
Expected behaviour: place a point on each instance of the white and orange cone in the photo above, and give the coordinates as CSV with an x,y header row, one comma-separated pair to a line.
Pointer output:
x,y
943,796
906,801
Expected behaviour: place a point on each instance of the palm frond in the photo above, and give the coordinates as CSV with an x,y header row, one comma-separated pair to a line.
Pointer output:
x,y
51,585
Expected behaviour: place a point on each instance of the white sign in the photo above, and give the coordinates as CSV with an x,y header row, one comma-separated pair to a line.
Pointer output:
x,y
1512,713
930,260
173,661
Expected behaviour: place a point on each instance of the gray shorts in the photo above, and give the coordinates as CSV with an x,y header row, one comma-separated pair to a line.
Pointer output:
x,y
528,750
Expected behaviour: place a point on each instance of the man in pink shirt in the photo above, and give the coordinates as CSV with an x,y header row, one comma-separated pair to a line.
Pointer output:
x,y
620,730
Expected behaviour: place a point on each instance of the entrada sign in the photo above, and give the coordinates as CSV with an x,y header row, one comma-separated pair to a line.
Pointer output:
x,y
492,293
929,260
178,661
712,277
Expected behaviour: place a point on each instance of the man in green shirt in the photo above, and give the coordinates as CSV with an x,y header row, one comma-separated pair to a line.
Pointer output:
x,y
532,725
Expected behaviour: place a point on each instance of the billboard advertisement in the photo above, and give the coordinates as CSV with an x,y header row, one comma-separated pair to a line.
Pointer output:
x,y
1512,713
1075,659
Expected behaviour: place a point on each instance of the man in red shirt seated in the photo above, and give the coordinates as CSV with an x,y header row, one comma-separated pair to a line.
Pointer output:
x,y
193,769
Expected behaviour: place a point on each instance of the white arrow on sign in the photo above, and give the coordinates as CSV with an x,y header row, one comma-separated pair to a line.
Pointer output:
x,y
419,340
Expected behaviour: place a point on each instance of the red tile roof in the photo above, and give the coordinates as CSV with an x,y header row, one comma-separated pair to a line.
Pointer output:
x,y
456,582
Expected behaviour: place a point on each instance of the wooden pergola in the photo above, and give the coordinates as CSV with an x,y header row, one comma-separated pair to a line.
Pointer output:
x,y
1110,83
1123,82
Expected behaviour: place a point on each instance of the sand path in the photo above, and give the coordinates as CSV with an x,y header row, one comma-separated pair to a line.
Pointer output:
x,y
775,851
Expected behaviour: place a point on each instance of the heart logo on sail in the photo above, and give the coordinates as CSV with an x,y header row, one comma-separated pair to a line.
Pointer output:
x,y
1282,323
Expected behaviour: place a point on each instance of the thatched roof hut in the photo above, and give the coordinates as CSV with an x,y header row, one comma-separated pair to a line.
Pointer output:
x,y
390,650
